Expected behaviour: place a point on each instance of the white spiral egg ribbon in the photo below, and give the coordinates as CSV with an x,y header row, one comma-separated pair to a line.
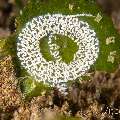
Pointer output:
x,y
57,73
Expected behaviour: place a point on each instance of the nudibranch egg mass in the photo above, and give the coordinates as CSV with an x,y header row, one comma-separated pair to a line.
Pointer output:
x,y
57,73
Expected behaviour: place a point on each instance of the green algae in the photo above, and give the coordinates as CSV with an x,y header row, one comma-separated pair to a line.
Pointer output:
x,y
104,29
31,88
45,49
67,48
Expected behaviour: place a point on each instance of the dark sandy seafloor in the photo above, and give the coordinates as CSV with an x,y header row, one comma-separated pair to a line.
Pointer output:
x,y
98,98
95,99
